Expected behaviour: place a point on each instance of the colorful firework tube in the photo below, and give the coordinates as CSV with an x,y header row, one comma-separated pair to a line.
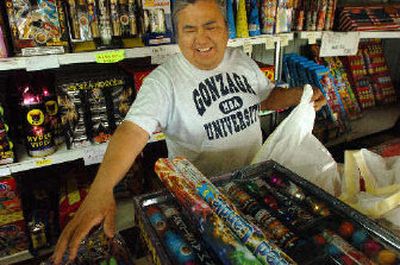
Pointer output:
x,y
280,233
254,21
176,247
83,18
292,190
342,252
300,216
115,21
93,19
242,29
248,233
76,34
132,17
231,20
174,217
371,248
223,242
268,15
104,22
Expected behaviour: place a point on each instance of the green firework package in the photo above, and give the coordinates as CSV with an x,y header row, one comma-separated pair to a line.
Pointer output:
x,y
92,105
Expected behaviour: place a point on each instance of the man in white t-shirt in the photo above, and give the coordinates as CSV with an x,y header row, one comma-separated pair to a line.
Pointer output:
x,y
206,101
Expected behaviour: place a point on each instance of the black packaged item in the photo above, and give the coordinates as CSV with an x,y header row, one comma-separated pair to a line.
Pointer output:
x,y
96,249
37,130
6,145
92,105
40,193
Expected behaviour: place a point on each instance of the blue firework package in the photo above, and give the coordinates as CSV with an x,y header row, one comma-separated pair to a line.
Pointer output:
x,y
231,19
254,20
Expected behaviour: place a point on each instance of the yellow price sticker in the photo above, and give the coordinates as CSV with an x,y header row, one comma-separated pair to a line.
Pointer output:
x,y
43,162
110,57
159,136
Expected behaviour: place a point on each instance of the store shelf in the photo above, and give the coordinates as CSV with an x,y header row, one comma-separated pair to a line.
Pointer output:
x,y
373,121
92,154
23,256
54,61
312,36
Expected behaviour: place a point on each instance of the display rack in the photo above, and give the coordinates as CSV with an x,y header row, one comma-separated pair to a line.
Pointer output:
x,y
384,117
44,62
312,36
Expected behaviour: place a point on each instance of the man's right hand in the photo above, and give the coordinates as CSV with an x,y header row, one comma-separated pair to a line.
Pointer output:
x,y
98,207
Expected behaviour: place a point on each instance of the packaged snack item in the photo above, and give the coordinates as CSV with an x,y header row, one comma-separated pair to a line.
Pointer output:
x,y
37,26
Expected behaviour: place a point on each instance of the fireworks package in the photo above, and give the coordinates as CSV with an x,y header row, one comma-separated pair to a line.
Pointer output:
x,y
39,113
74,187
6,145
40,193
157,22
369,18
92,104
37,26
259,214
95,24
97,249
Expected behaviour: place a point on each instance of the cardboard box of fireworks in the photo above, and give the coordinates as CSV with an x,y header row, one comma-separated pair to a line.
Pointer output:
x,y
259,214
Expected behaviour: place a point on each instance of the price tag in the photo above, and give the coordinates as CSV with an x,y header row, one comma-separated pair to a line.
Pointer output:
x,y
269,43
311,37
5,171
159,137
37,63
95,155
43,162
339,43
110,57
284,40
160,55
248,48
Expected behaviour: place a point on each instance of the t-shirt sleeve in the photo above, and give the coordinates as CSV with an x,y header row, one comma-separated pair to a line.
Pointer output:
x,y
151,107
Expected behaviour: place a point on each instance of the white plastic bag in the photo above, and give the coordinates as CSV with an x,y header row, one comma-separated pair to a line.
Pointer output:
x,y
381,178
293,145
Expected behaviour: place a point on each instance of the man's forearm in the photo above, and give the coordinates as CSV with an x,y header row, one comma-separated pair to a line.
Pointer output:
x,y
125,145
281,98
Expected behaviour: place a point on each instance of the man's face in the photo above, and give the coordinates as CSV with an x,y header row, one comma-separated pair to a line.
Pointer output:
x,y
202,34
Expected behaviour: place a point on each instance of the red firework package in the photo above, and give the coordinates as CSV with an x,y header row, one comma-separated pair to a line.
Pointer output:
x,y
9,199
73,192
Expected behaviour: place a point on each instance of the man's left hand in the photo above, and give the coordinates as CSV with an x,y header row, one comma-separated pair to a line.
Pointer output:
x,y
318,99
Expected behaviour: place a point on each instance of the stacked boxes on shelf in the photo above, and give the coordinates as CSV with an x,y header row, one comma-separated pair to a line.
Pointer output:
x,y
12,223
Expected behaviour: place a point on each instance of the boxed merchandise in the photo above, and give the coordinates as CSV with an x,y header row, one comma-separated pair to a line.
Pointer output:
x,y
220,221
6,145
369,18
12,233
92,105
9,199
37,27
95,24
157,22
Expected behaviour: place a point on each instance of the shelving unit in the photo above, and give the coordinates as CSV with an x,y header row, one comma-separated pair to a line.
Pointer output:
x,y
312,36
384,117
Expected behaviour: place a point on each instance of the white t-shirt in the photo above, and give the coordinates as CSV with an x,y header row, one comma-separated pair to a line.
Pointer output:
x,y
209,117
